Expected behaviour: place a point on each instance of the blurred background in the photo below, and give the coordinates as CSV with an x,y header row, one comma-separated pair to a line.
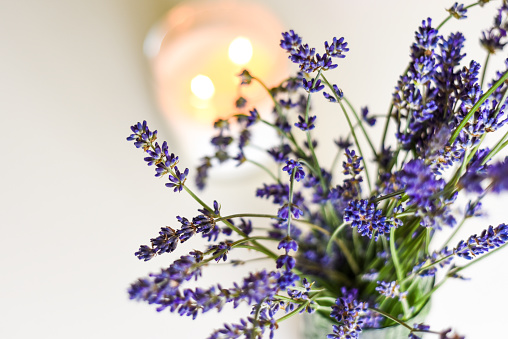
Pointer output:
x,y
77,200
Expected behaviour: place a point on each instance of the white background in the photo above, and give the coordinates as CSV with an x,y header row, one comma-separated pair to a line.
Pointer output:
x,y
77,200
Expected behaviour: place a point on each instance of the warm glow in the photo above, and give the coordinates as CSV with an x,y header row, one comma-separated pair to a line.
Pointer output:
x,y
202,87
240,51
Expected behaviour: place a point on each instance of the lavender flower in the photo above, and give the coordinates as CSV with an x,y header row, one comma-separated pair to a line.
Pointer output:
x,y
307,58
473,209
352,165
306,126
367,219
390,290
347,310
494,39
250,328
371,121
488,239
142,136
202,172
245,77
336,92
177,181
253,117
280,153
418,328
444,256
296,166
420,183
336,48
221,250
288,244
240,102
498,173
458,11
287,208
312,85
290,40
245,226
168,280
343,143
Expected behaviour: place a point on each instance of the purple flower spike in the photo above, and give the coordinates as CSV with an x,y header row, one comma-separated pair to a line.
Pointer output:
x,y
287,208
458,11
290,40
178,180
306,126
488,239
336,48
348,311
288,244
292,165
312,87
368,220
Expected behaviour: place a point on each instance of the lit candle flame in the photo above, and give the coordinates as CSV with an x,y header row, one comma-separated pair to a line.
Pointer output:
x,y
240,51
202,87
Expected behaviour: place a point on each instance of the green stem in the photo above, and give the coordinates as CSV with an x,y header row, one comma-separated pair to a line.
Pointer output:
x,y
387,123
275,102
395,257
241,262
309,166
423,268
479,259
450,16
335,161
357,245
484,69
501,103
300,308
209,209
296,311
349,257
255,333
405,308
313,226
263,167
250,239
389,316
288,136
454,232
329,299
443,22
389,195
333,236
426,297
476,106
309,139
499,146
351,129
398,270
235,244
360,123
291,183
201,202
247,215
255,248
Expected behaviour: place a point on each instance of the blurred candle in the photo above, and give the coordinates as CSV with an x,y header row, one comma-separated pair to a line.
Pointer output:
x,y
198,50
240,51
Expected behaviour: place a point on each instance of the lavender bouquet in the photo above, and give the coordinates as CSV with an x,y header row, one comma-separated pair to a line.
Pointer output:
x,y
350,244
